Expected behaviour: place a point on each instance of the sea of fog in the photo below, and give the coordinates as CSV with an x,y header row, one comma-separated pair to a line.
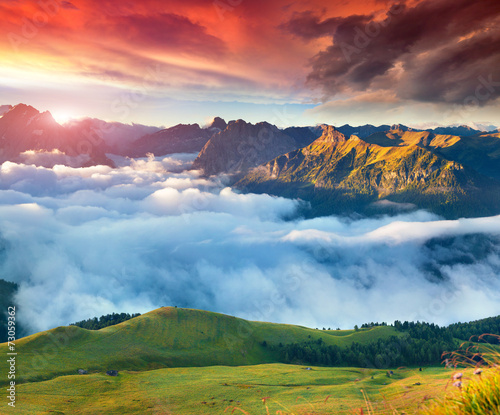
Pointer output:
x,y
83,242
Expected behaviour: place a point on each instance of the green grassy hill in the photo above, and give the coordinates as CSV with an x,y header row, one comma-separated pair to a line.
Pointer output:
x,y
184,361
169,337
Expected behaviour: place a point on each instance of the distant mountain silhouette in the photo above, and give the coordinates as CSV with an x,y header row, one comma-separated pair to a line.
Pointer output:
x,y
26,133
242,146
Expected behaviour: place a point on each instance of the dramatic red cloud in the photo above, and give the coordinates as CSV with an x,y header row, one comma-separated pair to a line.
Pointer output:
x,y
255,51
221,44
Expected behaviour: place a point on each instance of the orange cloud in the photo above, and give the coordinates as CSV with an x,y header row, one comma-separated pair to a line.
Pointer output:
x,y
221,44
252,51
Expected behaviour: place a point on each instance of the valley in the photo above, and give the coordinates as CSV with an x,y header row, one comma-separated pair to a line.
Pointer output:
x,y
181,361
252,207
257,390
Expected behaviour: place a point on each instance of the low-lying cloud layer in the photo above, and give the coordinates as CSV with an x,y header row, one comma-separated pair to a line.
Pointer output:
x,y
90,241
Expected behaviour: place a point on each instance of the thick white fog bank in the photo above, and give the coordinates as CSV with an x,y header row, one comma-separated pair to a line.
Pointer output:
x,y
82,242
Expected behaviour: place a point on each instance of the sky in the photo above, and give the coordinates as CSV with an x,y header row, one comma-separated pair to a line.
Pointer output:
x,y
150,233
164,62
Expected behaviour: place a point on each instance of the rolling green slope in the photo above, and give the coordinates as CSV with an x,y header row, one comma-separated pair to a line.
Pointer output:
x,y
184,361
168,337
288,389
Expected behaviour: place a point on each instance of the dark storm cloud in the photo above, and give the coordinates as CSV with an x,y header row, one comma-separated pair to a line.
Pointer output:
x,y
308,25
434,51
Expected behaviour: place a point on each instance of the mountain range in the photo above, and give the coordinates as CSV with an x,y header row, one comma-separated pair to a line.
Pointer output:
x,y
453,171
26,133
344,175
242,146
178,139
33,137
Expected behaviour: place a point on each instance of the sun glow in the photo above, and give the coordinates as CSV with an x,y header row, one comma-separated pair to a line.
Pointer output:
x,y
63,117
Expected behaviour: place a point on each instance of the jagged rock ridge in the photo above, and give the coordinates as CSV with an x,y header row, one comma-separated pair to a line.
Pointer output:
x,y
242,146
339,174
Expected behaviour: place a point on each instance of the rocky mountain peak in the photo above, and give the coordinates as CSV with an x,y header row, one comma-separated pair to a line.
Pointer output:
x,y
242,146
218,123
330,135
24,128
21,111
23,115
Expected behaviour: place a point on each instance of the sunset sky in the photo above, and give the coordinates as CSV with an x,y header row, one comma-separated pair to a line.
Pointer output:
x,y
162,62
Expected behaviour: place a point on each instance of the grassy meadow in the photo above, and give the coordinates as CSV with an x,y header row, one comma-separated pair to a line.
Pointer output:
x,y
290,389
188,362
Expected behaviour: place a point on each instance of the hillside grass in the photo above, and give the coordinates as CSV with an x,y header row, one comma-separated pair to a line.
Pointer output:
x,y
168,337
479,395
183,361
476,390
289,389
